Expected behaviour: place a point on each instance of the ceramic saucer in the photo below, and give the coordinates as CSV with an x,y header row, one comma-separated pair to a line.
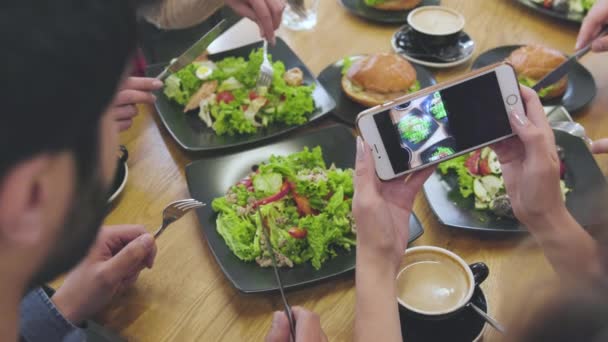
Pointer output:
x,y
444,57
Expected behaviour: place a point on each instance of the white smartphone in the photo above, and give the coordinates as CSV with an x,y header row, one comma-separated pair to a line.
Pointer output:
x,y
441,122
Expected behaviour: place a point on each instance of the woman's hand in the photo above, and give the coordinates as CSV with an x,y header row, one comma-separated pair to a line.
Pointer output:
x,y
592,25
266,13
530,165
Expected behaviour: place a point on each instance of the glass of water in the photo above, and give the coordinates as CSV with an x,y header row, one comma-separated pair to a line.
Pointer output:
x,y
301,14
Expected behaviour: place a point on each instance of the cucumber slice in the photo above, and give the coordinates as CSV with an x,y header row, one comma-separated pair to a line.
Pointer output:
x,y
480,205
485,152
494,164
480,191
564,188
492,185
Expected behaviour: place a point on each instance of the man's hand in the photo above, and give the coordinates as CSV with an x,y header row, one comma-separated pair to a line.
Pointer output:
x,y
132,91
592,25
266,13
308,327
112,265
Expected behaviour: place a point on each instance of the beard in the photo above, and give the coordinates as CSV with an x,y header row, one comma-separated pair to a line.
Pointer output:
x,y
79,232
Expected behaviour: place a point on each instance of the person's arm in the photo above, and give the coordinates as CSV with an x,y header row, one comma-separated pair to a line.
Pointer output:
x,y
376,308
40,320
382,211
531,170
178,14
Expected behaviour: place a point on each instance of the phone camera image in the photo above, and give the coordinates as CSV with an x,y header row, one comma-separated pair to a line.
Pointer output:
x,y
443,123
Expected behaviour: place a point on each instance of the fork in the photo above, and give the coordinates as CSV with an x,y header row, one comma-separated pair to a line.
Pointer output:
x,y
266,71
175,210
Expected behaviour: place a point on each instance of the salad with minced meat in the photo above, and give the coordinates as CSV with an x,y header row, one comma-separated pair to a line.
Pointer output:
x,y
306,205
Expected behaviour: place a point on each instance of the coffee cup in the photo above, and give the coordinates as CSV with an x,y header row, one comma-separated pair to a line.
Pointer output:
x,y
435,26
435,283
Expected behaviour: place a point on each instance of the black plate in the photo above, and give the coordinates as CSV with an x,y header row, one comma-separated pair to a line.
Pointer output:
x,y
569,16
359,8
346,109
193,135
581,85
464,326
210,177
427,154
586,202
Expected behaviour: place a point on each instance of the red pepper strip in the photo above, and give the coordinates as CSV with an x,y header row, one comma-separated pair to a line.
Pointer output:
x,y
276,197
297,233
303,205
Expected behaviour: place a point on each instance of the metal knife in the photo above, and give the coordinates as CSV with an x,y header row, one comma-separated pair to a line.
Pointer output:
x,y
266,233
194,51
563,68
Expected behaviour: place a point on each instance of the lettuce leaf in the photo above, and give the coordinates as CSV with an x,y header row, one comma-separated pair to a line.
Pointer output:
x,y
346,64
414,87
239,234
268,184
181,85
465,180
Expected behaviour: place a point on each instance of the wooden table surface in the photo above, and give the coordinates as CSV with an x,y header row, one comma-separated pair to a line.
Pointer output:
x,y
186,297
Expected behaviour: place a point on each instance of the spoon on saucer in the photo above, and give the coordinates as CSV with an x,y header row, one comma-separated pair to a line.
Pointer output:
x,y
488,318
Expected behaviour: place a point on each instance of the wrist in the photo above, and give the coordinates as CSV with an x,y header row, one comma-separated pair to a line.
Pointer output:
x,y
68,311
549,221
380,265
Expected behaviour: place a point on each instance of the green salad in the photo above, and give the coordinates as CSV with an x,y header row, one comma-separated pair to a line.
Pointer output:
x,y
228,100
479,176
414,128
306,205
528,82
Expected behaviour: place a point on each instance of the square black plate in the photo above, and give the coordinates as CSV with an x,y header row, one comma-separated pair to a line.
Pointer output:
x,y
193,135
209,178
586,202
581,87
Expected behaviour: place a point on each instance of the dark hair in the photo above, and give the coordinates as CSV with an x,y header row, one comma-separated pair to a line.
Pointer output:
x,y
574,314
60,63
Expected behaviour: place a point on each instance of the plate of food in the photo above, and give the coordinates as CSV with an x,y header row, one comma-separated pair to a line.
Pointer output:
x,y
303,186
468,191
532,62
362,81
214,103
385,11
570,10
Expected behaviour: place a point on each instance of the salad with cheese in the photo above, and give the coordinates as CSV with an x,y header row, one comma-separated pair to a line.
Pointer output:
x,y
480,176
227,99
306,206
565,6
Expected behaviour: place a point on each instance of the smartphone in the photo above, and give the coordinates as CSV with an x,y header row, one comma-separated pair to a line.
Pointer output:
x,y
441,122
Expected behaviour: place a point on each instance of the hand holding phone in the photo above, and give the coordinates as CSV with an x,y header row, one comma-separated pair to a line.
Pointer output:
x,y
441,122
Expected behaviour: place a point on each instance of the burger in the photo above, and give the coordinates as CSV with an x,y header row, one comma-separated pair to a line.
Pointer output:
x,y
379,78
532,63
392,5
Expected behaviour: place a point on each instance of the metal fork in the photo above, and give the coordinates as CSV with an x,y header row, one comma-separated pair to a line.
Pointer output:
x,y
266,71
175,210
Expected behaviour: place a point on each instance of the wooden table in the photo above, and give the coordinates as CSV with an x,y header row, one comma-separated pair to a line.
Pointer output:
x,y
187,298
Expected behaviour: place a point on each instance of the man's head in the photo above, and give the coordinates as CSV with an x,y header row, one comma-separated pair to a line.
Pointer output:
x,y
62,61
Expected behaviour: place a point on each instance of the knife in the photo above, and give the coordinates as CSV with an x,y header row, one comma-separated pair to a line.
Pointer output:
x,y
563,68
266,232
194,51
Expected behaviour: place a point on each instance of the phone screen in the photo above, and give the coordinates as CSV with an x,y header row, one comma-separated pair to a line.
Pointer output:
x,y
451,120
